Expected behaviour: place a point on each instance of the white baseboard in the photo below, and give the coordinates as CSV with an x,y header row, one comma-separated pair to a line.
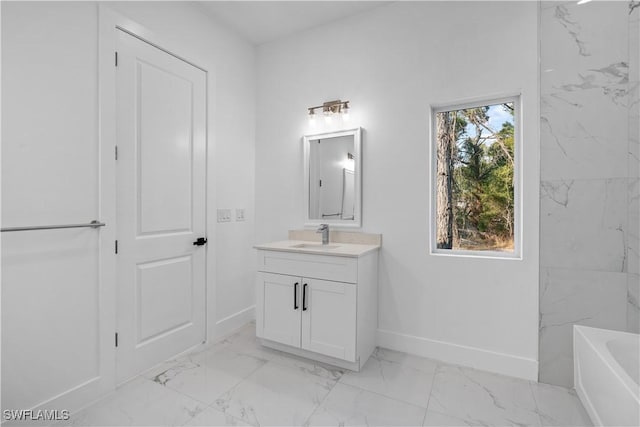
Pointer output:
x,y
486,360
230,323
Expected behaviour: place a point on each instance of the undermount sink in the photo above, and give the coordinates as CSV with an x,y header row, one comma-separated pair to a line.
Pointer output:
x,y
315,246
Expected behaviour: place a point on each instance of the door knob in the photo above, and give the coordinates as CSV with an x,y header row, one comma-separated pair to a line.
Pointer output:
x,y
200,241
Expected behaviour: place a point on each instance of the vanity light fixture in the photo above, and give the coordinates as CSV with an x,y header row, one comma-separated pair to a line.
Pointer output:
x,y
327,116
345,111
329,109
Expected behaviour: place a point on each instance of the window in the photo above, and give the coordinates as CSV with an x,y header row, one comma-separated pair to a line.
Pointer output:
x,y
475,193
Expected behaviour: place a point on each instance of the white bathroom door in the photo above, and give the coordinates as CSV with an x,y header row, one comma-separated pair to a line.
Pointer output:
x,y
161,170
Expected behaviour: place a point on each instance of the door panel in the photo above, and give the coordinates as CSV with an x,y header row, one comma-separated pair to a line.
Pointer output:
x,y
278,319
161,137
329,321
164,297
165,152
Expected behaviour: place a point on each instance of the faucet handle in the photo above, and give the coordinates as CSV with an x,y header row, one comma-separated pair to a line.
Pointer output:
x,y
322,227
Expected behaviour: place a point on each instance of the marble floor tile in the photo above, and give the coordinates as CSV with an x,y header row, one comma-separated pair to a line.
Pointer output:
x,y
394,388
416,362
302,364
183,360
140,403
213,417
352,406
481,398
207,375
559,406
396,375
228,360
275,395
437,419
245,342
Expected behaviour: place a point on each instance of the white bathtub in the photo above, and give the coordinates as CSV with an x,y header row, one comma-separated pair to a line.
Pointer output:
x,y
606,370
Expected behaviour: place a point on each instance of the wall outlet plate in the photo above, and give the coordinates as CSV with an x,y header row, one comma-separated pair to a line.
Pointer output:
x,y
224,215
239,214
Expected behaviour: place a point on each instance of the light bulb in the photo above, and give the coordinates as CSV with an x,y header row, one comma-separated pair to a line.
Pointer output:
x,y
345,112
327,117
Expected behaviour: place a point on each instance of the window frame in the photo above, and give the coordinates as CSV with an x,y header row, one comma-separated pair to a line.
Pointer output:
x,y
516,99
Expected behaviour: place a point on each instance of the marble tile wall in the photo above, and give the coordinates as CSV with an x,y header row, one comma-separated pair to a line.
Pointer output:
x,y
633,297
589,177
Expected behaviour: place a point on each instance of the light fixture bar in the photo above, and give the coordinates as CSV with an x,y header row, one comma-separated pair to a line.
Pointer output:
x,y
330,107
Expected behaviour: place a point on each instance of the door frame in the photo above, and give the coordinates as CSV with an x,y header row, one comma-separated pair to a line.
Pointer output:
x,y
109,23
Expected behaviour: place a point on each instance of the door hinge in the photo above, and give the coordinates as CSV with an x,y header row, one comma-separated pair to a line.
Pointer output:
x,y
116,59
116,339
116,246
320,183
116,152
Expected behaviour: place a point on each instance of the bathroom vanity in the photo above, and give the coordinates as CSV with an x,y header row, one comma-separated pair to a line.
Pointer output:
x,y
319,301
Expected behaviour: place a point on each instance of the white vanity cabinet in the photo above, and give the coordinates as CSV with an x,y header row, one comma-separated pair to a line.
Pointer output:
x,y
312,314
318,306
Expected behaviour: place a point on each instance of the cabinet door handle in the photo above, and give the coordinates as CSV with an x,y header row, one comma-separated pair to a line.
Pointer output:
x,y
295,296
304,297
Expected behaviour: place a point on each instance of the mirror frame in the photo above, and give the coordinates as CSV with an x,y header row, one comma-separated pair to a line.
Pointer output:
x,y
357,172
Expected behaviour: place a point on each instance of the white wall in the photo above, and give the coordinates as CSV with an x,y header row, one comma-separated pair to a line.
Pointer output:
x,y
49,175
392,63
50,309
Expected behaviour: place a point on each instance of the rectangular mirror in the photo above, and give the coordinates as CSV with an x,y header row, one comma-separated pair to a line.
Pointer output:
x,y
332,164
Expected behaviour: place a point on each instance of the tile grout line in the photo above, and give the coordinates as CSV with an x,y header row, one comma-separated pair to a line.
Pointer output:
x,y
433,383
200,401
306,422
236,386
438,364
385,396
535,402
222,412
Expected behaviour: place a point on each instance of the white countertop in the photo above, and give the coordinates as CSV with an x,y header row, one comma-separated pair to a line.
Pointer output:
x,y
308,247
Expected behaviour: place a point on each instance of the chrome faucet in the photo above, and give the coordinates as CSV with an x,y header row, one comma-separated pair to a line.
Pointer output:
x,y
324,229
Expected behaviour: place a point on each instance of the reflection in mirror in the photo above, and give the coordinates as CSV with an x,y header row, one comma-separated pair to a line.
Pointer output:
x,y
332,174
329,159
348,195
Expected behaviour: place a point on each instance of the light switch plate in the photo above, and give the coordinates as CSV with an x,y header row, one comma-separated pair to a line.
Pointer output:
x,y
239,214
224,215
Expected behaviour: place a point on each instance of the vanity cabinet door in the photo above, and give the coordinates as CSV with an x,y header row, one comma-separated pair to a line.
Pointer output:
x,y
329,318
278,309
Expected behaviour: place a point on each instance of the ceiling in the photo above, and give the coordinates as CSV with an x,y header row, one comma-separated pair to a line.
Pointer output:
x,y
264,21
